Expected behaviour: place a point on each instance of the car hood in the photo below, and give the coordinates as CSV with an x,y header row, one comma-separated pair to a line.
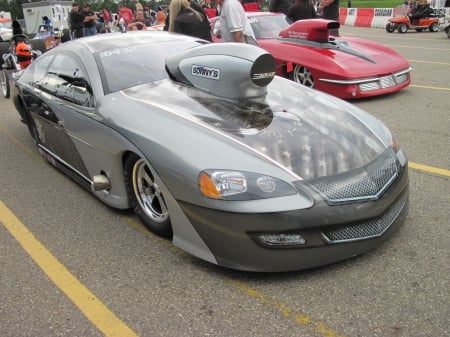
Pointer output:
x,y
348,58
309,133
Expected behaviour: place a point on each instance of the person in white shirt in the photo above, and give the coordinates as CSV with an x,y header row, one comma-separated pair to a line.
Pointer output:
x,y
234,25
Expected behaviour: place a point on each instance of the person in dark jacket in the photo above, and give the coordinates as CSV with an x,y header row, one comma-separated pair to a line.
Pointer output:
x,y
186,20
76,21
421,10
279,6
302,9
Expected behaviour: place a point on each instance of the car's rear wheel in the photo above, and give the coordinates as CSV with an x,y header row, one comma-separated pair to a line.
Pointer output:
x,y
302,75
145,196
5,84
402,28
434,27
390,27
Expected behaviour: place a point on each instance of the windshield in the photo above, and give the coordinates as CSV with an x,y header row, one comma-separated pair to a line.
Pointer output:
x,y
268,26
126,67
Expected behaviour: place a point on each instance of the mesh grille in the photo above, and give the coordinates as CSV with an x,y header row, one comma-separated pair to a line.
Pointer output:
x,y
384,82
367,183
366,230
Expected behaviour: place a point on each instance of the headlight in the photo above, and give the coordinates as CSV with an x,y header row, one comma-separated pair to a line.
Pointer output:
x,y
237,185
388,137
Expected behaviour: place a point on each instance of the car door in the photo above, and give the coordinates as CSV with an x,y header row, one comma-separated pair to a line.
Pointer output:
x,y
59,95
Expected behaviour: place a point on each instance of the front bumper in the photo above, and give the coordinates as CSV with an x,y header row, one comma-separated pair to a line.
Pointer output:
x,y
332,232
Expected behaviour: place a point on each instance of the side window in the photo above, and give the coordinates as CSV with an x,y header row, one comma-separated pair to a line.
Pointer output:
x,y
66,80
36,71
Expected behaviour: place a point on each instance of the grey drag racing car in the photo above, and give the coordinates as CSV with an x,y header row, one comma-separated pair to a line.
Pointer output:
x,y
237,166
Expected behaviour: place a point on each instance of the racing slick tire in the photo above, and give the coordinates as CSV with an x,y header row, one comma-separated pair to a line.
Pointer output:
x,y
390,27
434,27
402,28
302,75
447,31
5,84
145,196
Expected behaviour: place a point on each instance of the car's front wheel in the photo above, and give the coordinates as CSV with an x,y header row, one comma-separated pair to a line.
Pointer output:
x,y
302,75
145,196
5,84
390,27
434,27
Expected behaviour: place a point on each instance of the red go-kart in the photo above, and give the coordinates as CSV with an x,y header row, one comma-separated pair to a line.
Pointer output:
x,y
402,24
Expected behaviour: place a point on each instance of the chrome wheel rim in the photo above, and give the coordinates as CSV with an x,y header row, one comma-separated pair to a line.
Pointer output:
x,y
148,193
303,76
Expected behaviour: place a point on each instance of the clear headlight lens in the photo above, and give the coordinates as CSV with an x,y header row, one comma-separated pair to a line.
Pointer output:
x,y
389,138
237,185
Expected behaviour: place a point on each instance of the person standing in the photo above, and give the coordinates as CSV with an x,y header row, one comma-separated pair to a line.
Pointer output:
x,y
124,13
106,17
186,20
140,22
329,9
76,22
302,9
234,25
280,6
89,20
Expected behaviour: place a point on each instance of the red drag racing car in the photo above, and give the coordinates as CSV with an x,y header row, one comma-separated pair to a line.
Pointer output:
x,y
345,67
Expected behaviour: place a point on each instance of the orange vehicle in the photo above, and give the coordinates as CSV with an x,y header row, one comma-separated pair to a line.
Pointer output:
x,y
402,23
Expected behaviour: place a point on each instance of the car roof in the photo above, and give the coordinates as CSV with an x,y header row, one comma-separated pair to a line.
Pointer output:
x,y
102,42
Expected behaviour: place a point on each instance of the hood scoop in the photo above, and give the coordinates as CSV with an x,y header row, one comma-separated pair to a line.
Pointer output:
x,y
229,70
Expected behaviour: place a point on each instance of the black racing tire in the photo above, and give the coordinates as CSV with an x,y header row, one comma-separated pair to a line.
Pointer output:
x,y
5,84
38,44
145,196
447,31
434,27
390,27
4,49
302,75
65,36
402,28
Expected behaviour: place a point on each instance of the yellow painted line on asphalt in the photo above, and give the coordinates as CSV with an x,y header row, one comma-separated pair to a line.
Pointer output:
x,y
299,318
318,327
94,310
430,62
416,47
429,87
429,169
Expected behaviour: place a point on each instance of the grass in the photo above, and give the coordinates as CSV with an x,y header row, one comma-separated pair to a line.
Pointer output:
x,y
371,3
